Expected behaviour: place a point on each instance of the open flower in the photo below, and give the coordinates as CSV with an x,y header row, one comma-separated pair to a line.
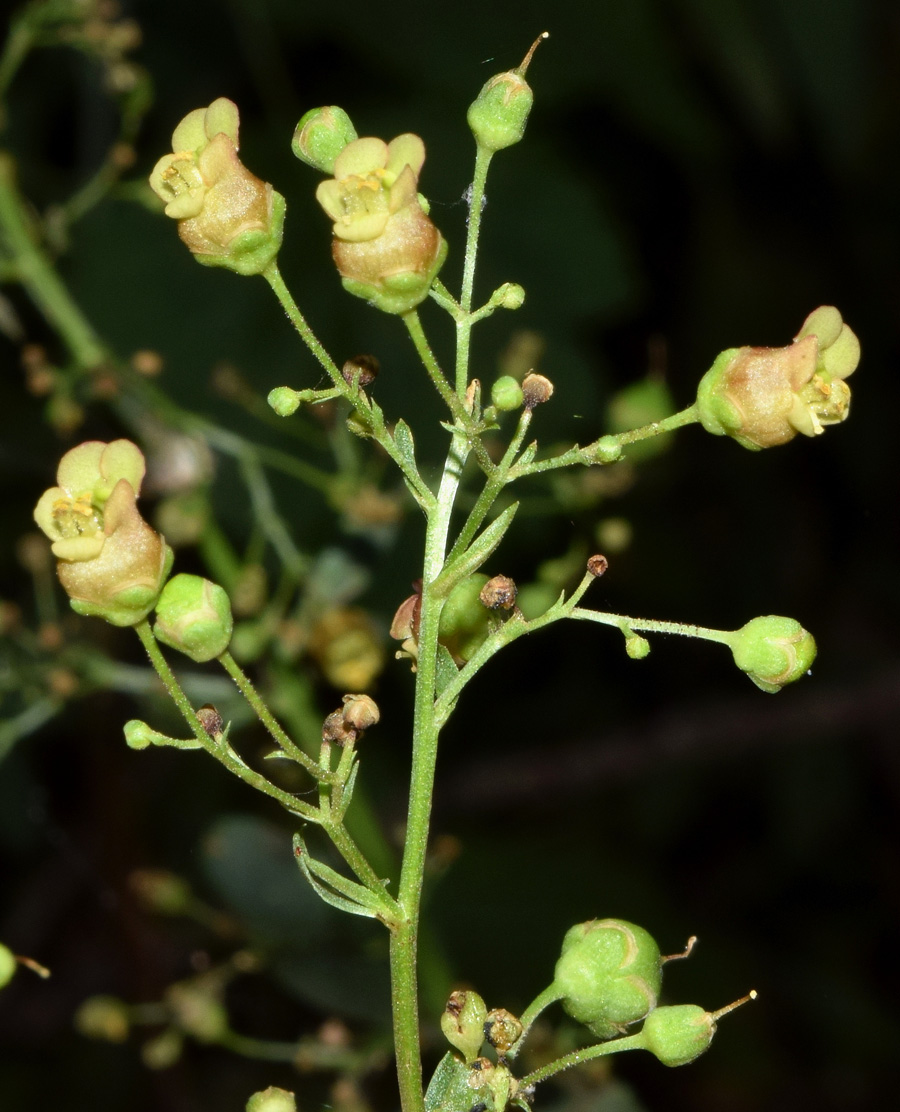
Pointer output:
x,y
226,215
111,563
385,247
765,396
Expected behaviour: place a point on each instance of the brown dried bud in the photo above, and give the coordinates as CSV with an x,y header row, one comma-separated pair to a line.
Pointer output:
x,y
537,390
334,728
211,721
365,368
597,565
502,1030
360,712
499,593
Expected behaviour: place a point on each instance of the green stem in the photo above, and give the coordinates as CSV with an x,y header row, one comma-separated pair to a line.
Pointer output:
x,y
36,273
464,323
18,43
614,1046
543,1000
587,455
404,938
650,625
265,716
273,276
223,754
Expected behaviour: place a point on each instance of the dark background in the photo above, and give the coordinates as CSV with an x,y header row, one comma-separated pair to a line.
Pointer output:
x,y
696,174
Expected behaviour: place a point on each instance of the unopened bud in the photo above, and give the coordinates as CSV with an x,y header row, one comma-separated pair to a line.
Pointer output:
x,y
509,296
272,1100
773,651
609,975
680,1033
637,647
321,135
506,394
193,615
537,390
8,965
499,593
284,401
103,1017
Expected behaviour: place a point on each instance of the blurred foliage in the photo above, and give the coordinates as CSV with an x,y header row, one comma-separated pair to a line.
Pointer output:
x,y
696,174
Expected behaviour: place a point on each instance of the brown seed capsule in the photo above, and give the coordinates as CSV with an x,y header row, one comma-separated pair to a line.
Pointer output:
x,y
597,565
211,721
363,367
502,1030
334,728
537,389
499,593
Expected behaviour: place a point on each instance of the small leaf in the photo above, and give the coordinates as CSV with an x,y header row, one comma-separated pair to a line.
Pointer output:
x,y
447,671
337,890
448,1090
403,438
475,555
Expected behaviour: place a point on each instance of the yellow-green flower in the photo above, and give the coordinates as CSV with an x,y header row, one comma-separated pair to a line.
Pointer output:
x,y
111,563
386,248
764,396
226,216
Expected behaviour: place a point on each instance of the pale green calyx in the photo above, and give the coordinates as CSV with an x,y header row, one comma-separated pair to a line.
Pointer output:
x,y
678,1034
8,965
193,615
272,1100
463,1022
773,651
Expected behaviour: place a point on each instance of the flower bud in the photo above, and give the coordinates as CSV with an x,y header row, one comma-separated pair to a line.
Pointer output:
x,y
226,216
321,135
272,1100
8,965
464,620
360,712
502,1030
763,397
197,1009
609,975
773,651
463,1022
509,296
385,247
678,1034
499,113
193,615
284,401
637,647
506,394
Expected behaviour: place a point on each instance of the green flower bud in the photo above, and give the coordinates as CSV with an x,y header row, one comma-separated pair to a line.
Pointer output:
x,y
284,401
103,1017
321,135
8,965
637,647
773,651
463,1022
606,450
506,394
193,615
509,296
197,1010
609,975
499,113
272,1099
465,621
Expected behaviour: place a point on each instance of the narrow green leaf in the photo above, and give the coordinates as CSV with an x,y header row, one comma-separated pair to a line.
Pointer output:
x,y
403,438
447,671
475,555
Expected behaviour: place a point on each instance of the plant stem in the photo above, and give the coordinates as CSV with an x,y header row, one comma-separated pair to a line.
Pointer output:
x,y
614,1046
36,273
404,937
273,276
650,625
464,323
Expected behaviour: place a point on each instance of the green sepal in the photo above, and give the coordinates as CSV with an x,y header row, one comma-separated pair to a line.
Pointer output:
x,y
321,135
128,607
677,1034
481,549
448,1090
400,293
